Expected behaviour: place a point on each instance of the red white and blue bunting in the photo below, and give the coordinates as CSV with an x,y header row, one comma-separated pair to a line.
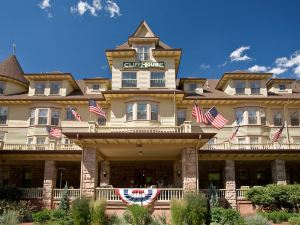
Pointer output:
x,y
138,196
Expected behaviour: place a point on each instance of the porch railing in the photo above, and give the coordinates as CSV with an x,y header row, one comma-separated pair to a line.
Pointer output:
x,y
241,193
51,146
234,146
220,192
72,193
31,192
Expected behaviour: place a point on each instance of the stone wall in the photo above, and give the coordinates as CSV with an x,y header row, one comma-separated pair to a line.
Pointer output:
x,y
49,182
189,170
278,172
229,177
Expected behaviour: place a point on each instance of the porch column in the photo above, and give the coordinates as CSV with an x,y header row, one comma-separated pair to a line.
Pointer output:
x,y
104,173
177,173
229,175
278,172
89,173
189,170
49,183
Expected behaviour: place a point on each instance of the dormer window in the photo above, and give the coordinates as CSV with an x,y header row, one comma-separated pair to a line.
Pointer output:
x,y
2,85
40,88
282,87
55,88
255,87
96,87
240,87
192,87
143,53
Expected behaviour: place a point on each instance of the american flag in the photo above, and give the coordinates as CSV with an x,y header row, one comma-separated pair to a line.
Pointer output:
x,y
215,118
76,115
54,132
95,108
198,114
277,135
234,133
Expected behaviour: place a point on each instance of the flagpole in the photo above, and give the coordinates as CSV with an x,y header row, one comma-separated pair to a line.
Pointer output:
x,y
286,123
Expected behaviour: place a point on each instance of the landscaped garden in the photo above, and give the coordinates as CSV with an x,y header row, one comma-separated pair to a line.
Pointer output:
x,y
274,204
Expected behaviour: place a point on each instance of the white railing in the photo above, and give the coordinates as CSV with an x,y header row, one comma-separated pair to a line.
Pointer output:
x,y
31,192
166,194
174,129
220,192
234,146
40,147
241,193
72,193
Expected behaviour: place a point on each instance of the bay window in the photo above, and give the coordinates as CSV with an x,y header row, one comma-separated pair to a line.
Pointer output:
x,y
252,116
43,117
277,117
54,118
3,115
154,112
239,114
32,117
129,79
263,119
129,112
141,111
294,118
157,79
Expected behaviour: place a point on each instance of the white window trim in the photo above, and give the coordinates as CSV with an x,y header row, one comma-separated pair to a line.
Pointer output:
x,y
55,82
135,111
49,116
7,114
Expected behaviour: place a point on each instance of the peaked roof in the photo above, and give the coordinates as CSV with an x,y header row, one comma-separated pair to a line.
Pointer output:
x,y
11,68
143,30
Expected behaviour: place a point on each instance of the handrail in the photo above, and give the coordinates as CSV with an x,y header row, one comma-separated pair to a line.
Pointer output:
x,y
72,193
237,146
8,146
31,192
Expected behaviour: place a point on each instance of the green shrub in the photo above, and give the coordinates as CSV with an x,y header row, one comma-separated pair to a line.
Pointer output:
x,y
137,215
61,217
98,212
42,217
64,200
81,212
9,217
160,220
213,196
256,220
9,193
178,211
277,216
295,220
225,216
24,209
214,223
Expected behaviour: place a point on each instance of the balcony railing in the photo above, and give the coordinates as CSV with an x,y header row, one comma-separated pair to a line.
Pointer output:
x,y
186,127
72,193
234,146
220,192
31,192
241,193
51,146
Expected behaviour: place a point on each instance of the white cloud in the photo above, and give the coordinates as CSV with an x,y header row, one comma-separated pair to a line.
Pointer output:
x,y
293,62
257,69
204,66
277,70
83,7
238,54
112,8
45,5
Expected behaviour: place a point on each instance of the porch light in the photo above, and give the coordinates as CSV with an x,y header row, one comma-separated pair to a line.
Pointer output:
x,y
104,174
178,173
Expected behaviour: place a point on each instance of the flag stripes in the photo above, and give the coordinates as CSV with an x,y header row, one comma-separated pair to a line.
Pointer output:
x,y
95,108
54,132
277,135
198,114
76,115
215,118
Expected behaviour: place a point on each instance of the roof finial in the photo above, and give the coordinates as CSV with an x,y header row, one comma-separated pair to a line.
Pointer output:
x,y
14,48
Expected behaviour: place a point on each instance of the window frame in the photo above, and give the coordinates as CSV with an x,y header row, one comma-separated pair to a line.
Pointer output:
x,y
157,80
281,85
255,88
143,55
69,112
124,80
4,116
177,117
3,84
145,113
97,89
291,113
104,122
58,117
59,88
36,89
129,112
237,82
47,117
277,112
151,111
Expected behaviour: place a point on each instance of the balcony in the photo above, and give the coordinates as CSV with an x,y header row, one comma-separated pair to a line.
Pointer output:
x,y
51,146
234,146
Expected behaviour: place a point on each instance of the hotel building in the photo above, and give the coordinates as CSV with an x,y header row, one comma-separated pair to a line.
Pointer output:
x,y
149,136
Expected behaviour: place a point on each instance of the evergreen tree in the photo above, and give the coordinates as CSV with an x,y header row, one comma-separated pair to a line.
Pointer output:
x,y
64,200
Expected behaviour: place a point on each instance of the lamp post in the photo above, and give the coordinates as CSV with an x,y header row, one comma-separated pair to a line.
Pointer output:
x,y
61,174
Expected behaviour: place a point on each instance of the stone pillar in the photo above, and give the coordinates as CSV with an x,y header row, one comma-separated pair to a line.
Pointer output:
x,y
229,175
278,172
189,170
49,183
104,173
89,173
177,173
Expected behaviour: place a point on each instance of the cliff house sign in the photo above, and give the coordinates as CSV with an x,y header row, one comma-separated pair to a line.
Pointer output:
x,y
143,65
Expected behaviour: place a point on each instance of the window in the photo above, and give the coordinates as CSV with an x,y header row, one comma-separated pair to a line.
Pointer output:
x,y
3,115
2,86
54,118
2,136
32,117
141,111
277,118
294,118
241,140
96,87
240,87
143,53
129,112
253,140
128,79
181,116
29,140
263,119
54,88
255,87
192,87
69,114
157,79
296,140
154,112
40,140
40,88
252,119
43,117
281,87
239,114
102,119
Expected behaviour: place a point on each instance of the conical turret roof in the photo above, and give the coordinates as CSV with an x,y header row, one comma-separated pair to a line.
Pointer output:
x,y
11,68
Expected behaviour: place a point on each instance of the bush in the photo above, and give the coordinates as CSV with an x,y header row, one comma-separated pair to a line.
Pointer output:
x,y
137,215
98,212
24,209
160,220
42,217
256,220
192,210
64,201
225,216
295,220
81,212
9,193
9,217
277,216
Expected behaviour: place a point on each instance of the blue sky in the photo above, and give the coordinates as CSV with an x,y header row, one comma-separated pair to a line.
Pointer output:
x,y
216,36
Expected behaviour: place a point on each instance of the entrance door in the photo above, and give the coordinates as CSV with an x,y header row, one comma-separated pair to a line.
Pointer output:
x,y
145,177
